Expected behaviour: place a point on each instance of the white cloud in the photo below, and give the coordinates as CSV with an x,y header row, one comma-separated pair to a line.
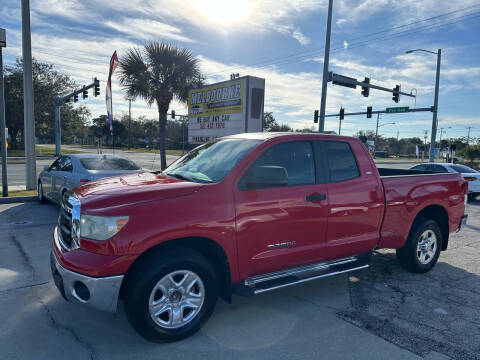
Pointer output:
x,y
148,29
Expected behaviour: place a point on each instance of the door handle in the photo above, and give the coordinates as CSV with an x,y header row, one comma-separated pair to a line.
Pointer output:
x,y
316,197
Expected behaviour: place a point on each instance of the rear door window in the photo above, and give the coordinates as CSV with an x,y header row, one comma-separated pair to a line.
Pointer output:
x,y
341,161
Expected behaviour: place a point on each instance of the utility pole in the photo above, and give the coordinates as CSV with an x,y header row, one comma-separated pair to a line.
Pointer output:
x,y
323,102
129,121
340,127
28,112
468,136
398,144
3,125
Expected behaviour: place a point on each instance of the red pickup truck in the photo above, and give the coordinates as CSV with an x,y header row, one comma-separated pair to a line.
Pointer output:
x,y
244,214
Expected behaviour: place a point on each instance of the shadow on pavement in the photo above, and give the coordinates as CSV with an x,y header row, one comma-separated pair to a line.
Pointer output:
x,y
437,311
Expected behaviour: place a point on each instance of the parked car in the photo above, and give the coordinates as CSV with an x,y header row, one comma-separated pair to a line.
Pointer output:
x,y
69,171
247,213
469,174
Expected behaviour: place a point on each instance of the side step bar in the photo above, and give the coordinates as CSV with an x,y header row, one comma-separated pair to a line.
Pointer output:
x,y
266,282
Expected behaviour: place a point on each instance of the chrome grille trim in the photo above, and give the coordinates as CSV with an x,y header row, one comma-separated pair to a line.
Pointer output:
x,y
69,222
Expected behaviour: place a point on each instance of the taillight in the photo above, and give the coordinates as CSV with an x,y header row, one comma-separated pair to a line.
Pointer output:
x,y
470,178
83,181
464,187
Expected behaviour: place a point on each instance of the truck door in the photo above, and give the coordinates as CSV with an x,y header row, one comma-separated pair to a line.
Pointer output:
x,y
355,197
281,226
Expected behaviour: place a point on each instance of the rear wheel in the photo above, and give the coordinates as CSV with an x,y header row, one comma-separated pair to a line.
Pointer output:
x,y
170,296
422,249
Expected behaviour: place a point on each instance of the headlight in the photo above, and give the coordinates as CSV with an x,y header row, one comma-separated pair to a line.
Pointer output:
x,y
101,227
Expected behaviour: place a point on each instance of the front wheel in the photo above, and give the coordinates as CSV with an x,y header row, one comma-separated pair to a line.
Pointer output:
x,y
170,296
422,249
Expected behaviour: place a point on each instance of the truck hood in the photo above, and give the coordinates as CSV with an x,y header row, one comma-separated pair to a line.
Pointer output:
x,y
129,189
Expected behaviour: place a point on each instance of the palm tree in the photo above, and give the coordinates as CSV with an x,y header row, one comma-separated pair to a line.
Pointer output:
x,y
158,73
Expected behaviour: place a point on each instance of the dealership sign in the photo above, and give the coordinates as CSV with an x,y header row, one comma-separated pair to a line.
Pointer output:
x,y
226,108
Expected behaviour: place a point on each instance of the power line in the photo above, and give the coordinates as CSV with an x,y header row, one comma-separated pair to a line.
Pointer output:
x,y
301,55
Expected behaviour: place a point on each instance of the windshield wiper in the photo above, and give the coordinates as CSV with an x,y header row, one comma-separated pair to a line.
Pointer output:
x,y
181,177
188,178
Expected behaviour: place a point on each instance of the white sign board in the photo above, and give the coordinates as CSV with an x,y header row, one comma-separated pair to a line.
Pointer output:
x,y
225,108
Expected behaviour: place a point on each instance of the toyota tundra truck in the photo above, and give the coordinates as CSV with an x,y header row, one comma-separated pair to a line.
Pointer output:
x,y
244,214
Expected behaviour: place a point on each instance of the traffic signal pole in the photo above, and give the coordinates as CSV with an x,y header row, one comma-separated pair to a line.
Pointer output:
x,y
326,75
60,100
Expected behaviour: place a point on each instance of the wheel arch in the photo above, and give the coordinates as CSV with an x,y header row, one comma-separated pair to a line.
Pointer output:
x,y
440,215
207,247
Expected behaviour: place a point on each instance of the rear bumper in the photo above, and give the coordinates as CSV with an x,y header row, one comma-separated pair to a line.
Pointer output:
x,y
463,222
98,293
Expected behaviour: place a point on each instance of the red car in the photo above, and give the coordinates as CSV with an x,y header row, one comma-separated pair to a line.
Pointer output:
x,y
244,214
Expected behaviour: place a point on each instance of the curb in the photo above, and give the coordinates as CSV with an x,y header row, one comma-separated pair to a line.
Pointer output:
x,y
17,199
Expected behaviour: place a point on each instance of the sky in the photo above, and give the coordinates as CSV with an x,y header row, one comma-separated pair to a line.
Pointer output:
x,y
283,42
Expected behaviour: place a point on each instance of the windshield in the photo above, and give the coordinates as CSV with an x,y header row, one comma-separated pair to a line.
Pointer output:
x,y
108,164
211,162
463,169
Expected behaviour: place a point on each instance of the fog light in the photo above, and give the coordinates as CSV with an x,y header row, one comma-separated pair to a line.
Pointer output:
x,y
81,291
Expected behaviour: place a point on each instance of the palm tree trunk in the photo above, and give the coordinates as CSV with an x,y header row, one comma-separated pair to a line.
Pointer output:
x,y
162,122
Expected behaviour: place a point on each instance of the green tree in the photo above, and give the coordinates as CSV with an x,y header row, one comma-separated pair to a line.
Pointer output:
x,y
270,124
47,83
159,73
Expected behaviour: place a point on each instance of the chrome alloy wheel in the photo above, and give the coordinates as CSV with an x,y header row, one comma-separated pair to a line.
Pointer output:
x,y
426,247
176,299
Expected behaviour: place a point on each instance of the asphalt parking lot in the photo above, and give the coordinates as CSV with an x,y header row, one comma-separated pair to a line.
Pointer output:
x,y
379,313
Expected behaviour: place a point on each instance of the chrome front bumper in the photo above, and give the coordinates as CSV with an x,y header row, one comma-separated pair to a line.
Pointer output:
x,y
97,293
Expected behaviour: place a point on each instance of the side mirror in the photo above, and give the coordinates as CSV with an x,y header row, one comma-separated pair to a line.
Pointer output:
x,y
46,168
266,176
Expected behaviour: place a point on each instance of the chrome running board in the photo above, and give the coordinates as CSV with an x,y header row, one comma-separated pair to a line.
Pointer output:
x,y
266,282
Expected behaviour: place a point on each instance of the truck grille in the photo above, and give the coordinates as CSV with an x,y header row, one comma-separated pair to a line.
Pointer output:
x,y
65,220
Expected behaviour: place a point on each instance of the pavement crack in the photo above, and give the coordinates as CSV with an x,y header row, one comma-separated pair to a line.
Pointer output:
x,y
24,287
59,327
26,259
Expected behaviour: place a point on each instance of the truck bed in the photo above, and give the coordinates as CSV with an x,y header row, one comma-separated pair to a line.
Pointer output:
x,y
387,172
409,191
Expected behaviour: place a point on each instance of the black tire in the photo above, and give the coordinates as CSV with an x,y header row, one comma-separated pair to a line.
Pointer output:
x,y
141,282
41,196
407,255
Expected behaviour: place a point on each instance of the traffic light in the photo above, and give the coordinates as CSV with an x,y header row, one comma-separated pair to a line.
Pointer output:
x,y
342,113
84,93
173,114
75,98
396,94
369,112
315,116
97,87
366,89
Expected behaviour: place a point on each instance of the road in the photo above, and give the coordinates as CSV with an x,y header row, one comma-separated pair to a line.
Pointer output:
x,y
146,160
378,313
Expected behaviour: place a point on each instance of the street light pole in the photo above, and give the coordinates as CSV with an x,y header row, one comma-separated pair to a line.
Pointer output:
x,y
376,137
435,109
435,101
323,101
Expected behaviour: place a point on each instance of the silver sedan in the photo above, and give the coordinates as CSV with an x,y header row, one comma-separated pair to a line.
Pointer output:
x,y
69,171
